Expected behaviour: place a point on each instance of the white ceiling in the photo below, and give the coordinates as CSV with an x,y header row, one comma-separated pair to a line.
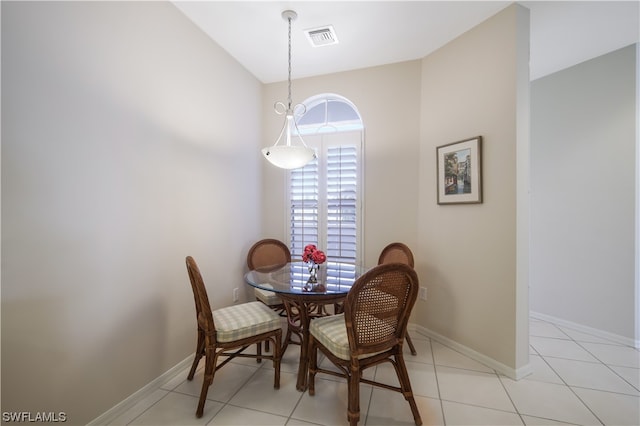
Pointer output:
x,y
371,33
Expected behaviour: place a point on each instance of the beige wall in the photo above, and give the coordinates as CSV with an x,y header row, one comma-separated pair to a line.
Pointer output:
x,y
584,134
469,255
122,128
388,99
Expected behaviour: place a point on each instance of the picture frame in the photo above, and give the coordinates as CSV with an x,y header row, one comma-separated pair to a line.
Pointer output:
x,y
459,168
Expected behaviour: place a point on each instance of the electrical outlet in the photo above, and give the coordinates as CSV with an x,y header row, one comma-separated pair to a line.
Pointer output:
x,y
423,293
235,294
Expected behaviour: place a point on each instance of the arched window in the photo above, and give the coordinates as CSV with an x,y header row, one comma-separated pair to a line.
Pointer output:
x,y
328,113
324,197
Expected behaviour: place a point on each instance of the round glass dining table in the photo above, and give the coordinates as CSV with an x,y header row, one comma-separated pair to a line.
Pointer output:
x,y
305,300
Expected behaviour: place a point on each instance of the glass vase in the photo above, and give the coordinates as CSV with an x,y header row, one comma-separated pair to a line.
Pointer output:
x,y
313,273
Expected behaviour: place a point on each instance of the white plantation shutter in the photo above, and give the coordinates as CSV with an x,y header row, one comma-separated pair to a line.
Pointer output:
x,y
341,202
324,198
303,207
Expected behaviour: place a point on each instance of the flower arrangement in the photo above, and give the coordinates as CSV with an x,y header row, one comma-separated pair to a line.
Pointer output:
x,y
311,254
313,258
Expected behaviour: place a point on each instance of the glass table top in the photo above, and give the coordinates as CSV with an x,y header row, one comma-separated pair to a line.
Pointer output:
x,y
291,278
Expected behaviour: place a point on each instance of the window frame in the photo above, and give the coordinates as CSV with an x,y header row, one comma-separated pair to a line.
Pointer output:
x,y
322,138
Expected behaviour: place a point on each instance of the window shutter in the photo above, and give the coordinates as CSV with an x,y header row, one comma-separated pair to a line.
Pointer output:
x,y
341,199
304,209
324,202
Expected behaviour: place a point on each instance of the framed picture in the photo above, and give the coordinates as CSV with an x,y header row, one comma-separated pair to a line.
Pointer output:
x,y
459,172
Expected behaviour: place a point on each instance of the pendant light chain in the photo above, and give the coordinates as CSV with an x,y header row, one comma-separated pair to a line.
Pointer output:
x,y
289,99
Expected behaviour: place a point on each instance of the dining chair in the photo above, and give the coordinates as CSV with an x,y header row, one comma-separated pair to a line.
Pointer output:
x,y
263,254
233,328
401,253
371,331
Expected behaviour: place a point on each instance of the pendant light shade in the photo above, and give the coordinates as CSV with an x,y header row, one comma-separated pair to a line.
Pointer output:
x,y
284,153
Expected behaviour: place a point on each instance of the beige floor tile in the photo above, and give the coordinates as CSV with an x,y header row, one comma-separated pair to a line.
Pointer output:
x,y
140,407
464,415
622,356
631,375
237,416
226,382
579,336
473,388
422,378
560,348
537,421
611,408
258,394
177,409
590,375
548,401
546,329
389,408
541,371
423,349
448,357
329,404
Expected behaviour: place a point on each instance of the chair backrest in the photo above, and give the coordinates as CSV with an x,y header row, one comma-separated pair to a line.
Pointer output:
x,y
378,306
396,253
268,252
203,308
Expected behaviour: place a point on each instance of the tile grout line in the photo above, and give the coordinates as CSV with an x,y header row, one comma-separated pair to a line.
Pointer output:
x,y
435,374
515,407
567,384
609,367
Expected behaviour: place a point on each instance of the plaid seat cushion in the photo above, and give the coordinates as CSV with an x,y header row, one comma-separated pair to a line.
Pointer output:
x,y
267,297
244,320
331,332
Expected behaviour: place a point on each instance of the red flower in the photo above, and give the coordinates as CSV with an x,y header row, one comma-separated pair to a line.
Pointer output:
x,y
308,251
312,254
318,257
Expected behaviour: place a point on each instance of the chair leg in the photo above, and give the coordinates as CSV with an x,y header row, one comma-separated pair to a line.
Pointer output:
x,y
353,414
410,343
313,366
405,385
259,352
198,356
277,355
209,371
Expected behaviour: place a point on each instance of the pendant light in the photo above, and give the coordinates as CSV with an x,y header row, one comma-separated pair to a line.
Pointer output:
x,y
284,153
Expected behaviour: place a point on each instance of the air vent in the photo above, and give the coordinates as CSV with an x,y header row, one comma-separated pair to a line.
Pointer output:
x,y
323,36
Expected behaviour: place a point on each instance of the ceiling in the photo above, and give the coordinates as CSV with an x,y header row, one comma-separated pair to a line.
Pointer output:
x,y
371,33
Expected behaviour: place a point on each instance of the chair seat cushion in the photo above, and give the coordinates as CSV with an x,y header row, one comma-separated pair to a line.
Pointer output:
x,y
331,332
267,297
245,320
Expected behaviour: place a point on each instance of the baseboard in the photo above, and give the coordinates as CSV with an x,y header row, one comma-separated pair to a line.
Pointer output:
x,y
616,338
139,395
489,362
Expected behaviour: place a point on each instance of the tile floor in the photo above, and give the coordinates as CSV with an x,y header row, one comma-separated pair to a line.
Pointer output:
x,y
577,379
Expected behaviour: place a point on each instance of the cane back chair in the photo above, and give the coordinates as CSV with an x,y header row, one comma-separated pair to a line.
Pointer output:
x,y
371,331
401,253
263,254
233,328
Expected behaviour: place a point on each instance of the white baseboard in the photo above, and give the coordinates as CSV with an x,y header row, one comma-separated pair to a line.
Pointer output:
x,y
589,330
139,395
489,362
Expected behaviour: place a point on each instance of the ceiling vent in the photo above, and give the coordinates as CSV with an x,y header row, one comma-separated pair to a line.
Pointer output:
x,y
323,36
